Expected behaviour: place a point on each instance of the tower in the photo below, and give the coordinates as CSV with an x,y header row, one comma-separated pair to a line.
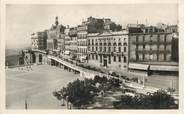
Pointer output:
x,y
56,21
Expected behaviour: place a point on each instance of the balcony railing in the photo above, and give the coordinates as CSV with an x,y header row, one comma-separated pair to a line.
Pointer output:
x,y
152,42
153,51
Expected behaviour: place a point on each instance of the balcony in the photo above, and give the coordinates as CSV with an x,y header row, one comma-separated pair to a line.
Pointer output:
x,y
152,42
104,53
152,51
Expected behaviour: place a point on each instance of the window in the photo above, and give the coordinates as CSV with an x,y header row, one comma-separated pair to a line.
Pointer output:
x,y
119,49
92,42
114,58
96,48
100,48
119,58
100,58
109,59
104,49
125,44
109,49
93,56
89,56
96,57
125,60
143,46
88,42
114,49
92,48
124,49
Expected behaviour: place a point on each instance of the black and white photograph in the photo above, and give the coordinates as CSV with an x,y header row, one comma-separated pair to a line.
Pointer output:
x,y
91,56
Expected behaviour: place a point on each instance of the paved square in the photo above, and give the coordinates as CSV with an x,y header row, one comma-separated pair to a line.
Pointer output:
x,y
35,86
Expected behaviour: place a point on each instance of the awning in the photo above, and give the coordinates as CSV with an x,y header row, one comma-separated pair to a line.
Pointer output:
x,y
163,68
138,66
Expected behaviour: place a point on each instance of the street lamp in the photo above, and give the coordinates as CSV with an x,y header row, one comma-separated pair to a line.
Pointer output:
x,y
67,102
26,104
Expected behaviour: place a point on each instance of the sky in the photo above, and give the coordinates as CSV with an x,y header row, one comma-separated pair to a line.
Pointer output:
x,y
24,19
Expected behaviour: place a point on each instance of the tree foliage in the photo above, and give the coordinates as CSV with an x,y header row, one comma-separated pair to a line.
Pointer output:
x,y
79,93
157,100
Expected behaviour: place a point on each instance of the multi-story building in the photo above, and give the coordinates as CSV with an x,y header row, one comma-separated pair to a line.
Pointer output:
x,y
152,49
82,42
108,49
73,42
67,39
110,25
39,40
92,25
55,41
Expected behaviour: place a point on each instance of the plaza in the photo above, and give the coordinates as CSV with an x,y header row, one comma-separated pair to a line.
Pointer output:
x,y
35,86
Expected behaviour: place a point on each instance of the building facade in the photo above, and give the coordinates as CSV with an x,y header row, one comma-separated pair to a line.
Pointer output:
x,y
108,49
55,41
153,52
39,40
82,42
67,38
150,47
73,42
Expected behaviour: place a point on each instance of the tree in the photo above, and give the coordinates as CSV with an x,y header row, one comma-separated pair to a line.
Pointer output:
x,y
157,100
100,79
80,93
125,102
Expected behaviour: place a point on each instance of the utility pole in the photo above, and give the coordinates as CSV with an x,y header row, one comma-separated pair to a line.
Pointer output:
x,y
26,106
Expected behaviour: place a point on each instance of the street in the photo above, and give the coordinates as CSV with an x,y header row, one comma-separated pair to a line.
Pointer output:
x,y
35,87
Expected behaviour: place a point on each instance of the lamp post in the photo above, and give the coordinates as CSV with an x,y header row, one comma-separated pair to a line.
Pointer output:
x,y
26,105
67,102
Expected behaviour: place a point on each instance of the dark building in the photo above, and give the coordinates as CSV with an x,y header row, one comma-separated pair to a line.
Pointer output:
x,y
55,41
39,40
